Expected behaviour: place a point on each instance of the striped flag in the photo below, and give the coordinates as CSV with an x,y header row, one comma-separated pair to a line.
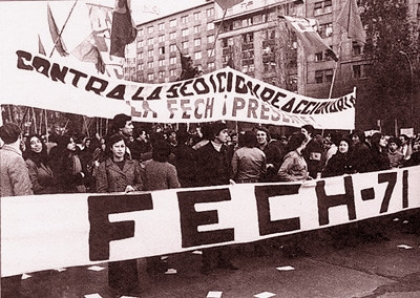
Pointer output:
x,y
306,31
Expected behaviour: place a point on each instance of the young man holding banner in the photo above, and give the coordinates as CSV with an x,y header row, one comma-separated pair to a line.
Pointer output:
x,y
213,164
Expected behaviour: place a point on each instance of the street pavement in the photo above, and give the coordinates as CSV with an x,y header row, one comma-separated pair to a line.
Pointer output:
x,y
355,268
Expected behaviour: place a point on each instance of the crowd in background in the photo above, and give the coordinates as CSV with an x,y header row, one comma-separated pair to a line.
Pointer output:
x,y
130,159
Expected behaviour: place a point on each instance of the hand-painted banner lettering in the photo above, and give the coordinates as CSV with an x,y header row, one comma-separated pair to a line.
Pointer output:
x,y
54,231
224,94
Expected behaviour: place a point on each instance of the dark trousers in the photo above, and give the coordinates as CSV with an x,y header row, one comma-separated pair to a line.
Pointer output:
x,y
122,275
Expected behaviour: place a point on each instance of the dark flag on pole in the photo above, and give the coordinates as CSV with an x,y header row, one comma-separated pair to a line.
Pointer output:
x,y
349,19
189,71
58,43
225,4
122,30
41,48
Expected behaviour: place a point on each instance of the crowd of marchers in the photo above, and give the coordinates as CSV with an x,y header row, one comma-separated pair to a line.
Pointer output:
x,y
129,160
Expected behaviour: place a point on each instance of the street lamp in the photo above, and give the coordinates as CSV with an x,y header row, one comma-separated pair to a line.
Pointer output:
x,y
411,87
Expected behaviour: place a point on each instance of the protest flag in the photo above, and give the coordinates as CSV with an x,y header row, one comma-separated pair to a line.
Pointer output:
x,y
188,69
225,4
41,48
87,51
100,22
55,35
122,30
349,19
306,31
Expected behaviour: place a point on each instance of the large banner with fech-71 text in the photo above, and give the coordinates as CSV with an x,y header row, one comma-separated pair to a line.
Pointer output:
x,y
54,231
226,94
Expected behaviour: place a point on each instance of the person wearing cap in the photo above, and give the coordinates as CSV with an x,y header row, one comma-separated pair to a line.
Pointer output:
x,y
273,155
213,168
14,181
312,152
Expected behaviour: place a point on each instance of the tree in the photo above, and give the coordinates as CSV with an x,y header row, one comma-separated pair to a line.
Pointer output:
x,y
390,43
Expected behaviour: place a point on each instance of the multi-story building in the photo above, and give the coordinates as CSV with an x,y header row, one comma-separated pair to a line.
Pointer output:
x,y
159,41
258,42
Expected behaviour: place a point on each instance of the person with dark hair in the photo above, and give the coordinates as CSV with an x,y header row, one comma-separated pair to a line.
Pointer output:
x,y
335,139
123,125
185,159
14,181
272,154
213,166
340,163
203,136
140,145
361,152
119,174
294,166
405,146
312,152
68,166
159,174
396,158
379,160
248,162
36,158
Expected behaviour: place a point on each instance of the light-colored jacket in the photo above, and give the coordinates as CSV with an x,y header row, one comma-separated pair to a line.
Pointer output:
x,y
14,179
110,178
293,168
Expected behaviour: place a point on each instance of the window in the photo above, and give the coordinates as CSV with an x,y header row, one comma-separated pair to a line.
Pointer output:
x,y
197,55
248,37
172,35
140,43
161,26
161,38
184,19
322,7
210,65
196,29
172,60
184,32
318,56
319,74
197,42
328,75
357,49
140,56
172,72
184,45
150,77
140,67
210,39
140,32
150,42
172,23
210,12
150,29
161,74
326,30
210,26
196,16
162,62
150,53
210,53
162,51
172,48
150,65
357,73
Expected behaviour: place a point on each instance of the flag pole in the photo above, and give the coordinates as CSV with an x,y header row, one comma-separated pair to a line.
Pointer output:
x,y
217,33
335,71
62,29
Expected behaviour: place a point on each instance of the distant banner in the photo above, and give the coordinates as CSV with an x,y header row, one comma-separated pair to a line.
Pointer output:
x,y
55,231
225,94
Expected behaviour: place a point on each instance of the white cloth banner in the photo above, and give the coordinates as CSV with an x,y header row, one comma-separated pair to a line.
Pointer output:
x,y
60,84
54,231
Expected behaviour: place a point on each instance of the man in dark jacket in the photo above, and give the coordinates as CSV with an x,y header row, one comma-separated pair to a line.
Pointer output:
x,y
213,165
312,152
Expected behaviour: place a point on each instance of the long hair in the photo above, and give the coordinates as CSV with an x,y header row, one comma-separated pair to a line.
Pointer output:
x,y
37,158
